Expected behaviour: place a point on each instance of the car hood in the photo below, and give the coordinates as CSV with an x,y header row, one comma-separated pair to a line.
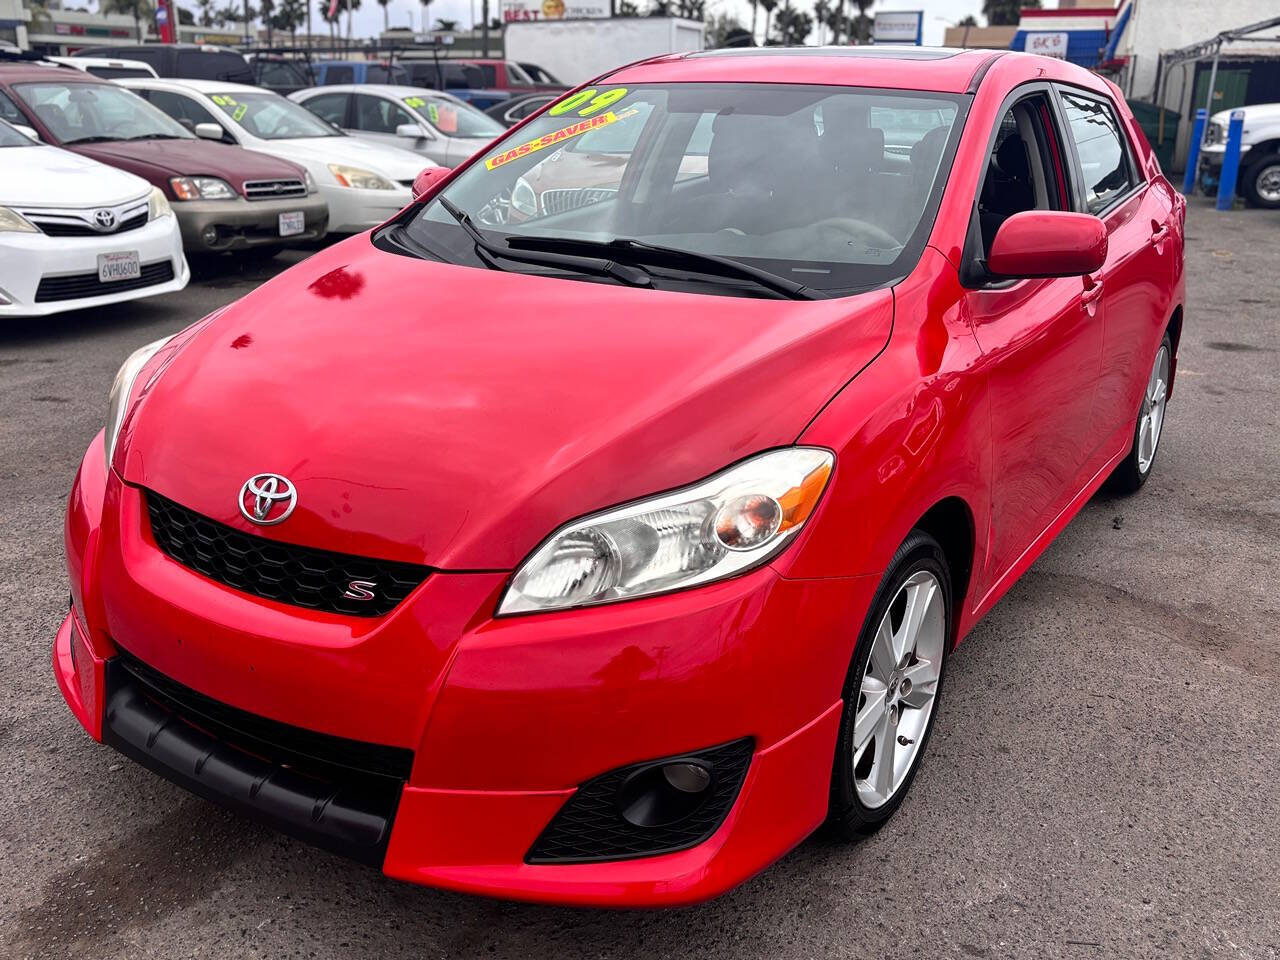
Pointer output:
x,y
461,148
158,160
1254,113
50,177
389,161
450,416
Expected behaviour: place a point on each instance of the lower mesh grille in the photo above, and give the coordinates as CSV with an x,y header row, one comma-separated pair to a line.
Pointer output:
x,y
285,572
79,285
589,827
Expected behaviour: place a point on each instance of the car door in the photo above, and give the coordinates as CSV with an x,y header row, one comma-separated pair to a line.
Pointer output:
x,y
1140,253
1041,341
376,120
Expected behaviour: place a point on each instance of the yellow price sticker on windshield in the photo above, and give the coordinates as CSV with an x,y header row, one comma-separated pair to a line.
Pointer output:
x,y
222,100
414,102
240,112
589,100
551,139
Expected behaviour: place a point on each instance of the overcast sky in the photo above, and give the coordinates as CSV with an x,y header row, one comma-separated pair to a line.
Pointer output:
x,y
368,19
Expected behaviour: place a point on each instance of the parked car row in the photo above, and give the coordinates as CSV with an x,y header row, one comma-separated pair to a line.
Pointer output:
x,y
201,165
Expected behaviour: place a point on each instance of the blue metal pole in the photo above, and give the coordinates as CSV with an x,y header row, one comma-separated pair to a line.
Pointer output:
x,y
1231,162
1193,152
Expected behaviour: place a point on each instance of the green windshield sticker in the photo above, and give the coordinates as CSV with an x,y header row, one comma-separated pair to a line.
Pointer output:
x,y
415,102
434,113
590,100
240,111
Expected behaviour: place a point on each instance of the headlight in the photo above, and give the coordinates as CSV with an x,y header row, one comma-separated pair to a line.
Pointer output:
x,y
724,525
523,198
361,179
309,180
201,188
14,222
118,399
158,205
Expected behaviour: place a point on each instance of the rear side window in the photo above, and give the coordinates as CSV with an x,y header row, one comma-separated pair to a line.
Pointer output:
x,y
334,75
230,67
331,107
1100,146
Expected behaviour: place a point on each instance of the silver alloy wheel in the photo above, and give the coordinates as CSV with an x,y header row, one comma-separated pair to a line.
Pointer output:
x,y
898,689
1151,420
1268,183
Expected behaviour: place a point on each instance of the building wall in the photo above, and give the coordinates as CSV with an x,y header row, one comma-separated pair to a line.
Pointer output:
x,y
1158,25
982,38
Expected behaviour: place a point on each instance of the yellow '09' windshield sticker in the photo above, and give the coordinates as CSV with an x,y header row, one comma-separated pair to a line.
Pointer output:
x,y
551,139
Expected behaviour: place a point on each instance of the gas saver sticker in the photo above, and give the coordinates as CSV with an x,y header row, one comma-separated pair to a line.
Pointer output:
x,y
551,139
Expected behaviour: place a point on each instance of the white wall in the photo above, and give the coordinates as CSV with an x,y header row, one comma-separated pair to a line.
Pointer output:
x,y
577,50
1161,25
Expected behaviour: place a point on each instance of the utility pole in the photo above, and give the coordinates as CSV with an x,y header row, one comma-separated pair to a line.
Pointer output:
x,y
484,27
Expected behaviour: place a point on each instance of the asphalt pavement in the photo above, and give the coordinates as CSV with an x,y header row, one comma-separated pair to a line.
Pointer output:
x,y
1102,782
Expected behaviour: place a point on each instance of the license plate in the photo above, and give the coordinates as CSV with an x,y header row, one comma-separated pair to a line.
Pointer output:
x,y
291,223
119,266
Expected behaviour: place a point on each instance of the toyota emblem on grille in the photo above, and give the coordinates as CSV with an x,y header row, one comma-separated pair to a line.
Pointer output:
x,y
104,219
267,498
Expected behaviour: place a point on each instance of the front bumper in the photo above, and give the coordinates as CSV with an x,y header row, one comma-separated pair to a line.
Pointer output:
x,y
41,275
506,718
218,226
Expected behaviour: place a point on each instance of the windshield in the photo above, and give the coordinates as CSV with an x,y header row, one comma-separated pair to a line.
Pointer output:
x,y
10,137
452,118
830,187
270,116
83,112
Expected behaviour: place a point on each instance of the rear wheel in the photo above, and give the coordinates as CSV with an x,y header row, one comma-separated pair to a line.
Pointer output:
x,y
1261,182
892,688
1133,471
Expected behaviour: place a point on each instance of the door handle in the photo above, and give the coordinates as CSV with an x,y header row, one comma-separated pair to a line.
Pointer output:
x,y
1092,289
1158,231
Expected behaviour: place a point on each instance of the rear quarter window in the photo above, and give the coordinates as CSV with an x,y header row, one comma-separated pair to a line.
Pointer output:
x,y
230,67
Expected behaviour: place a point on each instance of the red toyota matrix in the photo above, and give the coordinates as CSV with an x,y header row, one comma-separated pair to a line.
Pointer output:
x,y
600,526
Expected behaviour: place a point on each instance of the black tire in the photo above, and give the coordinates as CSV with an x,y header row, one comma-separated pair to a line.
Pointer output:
x,y
1128,477
848,818
1252,176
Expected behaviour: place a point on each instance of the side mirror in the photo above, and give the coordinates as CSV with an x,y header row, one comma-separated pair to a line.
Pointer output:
x,y
209,131
410,131
26,131
426,182
1048,243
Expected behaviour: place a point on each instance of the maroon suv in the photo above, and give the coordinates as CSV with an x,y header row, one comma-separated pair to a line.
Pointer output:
x,y
225,197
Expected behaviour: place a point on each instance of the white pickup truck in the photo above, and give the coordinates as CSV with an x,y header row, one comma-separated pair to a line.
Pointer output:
x,y
1259,178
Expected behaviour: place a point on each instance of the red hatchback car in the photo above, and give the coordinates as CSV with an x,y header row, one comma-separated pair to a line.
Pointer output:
x,y
600,554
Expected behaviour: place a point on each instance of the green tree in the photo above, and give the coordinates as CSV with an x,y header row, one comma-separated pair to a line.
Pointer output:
x,y
386,14
140,10
446,26
185,17
1005,13
206,15
626,8
821,13
287,15
724,30
792,26
426,8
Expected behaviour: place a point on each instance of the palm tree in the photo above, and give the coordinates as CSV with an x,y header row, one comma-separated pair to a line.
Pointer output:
x,y
138,9
1005,13
446,26
821,10
386,14
426,8
755,7
206,12
768,6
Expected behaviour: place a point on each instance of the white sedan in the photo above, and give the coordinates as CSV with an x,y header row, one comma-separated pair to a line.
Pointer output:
x,y
363,183
76,233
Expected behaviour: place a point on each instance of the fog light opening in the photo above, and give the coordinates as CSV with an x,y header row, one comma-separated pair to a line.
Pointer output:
x,y
664,793
209,235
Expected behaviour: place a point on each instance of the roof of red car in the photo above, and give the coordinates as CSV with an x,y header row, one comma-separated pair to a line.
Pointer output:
x,y
28,73
936,69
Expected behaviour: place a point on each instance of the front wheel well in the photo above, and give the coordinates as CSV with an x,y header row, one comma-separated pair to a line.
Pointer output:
x,y
950,522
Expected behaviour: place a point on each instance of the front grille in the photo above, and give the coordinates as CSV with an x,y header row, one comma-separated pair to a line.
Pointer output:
x,y
71,227
79,285
338,793
563,199
284,572
590,827
274,189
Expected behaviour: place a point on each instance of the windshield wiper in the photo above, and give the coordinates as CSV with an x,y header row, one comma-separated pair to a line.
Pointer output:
x,y
637,251
94,139
156,136
490,251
